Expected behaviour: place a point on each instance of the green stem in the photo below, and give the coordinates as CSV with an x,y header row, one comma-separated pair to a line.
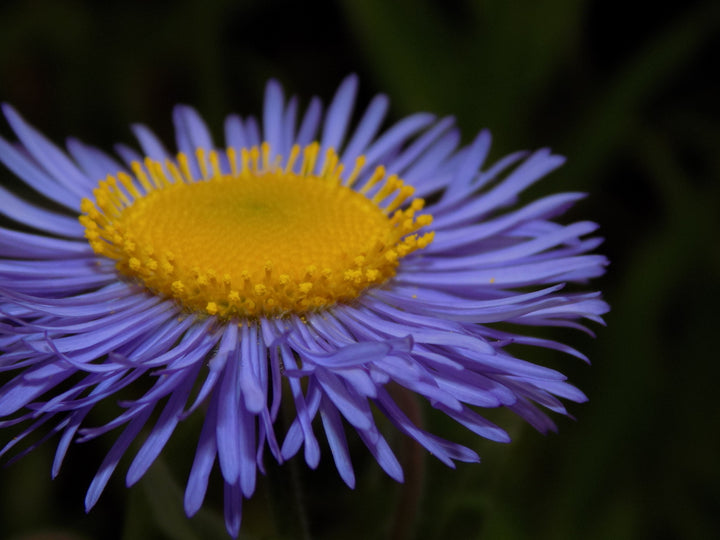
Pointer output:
x,y
412,457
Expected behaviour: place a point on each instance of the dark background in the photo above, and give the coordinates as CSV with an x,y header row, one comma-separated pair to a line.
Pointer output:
x,y
629,91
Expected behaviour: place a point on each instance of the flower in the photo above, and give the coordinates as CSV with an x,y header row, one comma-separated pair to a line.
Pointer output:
x,y
308,262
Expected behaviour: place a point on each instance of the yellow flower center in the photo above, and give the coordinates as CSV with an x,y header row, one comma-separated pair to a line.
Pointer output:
x,y
261,240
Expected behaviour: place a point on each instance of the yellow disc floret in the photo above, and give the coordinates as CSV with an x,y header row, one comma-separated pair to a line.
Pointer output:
x,y
254,238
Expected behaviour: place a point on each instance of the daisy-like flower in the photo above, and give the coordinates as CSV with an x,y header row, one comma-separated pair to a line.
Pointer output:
x,y
303,260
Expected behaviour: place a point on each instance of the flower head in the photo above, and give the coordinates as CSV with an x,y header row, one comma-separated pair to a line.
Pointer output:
x,y
306,261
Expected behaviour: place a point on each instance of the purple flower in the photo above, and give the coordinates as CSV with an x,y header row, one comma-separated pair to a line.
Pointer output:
x,y
309,261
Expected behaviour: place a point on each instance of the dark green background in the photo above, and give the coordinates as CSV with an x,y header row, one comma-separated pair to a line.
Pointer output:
x,y
627,90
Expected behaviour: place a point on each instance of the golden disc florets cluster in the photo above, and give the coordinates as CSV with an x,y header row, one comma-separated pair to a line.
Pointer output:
x,y
248,237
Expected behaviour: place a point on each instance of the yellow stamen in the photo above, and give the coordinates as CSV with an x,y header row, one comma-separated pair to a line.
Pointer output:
x,y
260,240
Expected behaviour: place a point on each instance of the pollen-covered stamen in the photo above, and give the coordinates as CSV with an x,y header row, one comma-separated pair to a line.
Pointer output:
x,y
263,238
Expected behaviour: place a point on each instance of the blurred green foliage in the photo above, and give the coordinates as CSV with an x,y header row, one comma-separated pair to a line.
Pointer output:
x,y
627,90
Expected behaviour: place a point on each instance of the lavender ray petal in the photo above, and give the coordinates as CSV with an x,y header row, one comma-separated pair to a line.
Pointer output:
x,y
335,434
338,114
39,180
310,123
150,144
113,457
49,156
273,107
366,129
162,430
28,214
203,462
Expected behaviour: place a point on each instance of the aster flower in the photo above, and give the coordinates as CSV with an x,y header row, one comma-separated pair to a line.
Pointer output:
x,y
306,260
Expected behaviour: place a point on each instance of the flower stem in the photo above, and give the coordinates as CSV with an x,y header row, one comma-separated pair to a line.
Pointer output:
x,y
412,458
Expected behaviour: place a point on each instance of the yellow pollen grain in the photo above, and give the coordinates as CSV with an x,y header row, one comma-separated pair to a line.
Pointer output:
x,y
262,239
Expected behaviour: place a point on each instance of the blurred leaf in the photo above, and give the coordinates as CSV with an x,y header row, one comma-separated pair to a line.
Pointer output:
x,y
627,424
164,498
488,62
604,127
